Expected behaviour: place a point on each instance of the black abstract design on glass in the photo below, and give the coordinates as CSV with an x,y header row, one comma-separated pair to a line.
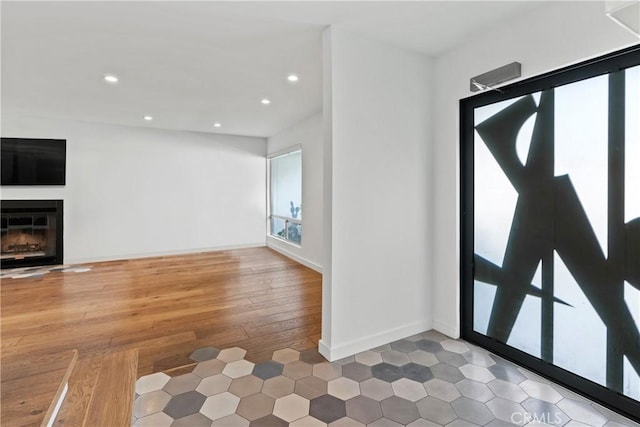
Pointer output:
x,y
548,217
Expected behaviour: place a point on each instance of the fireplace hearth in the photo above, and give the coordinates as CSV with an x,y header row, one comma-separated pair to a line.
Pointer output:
x,y
31,233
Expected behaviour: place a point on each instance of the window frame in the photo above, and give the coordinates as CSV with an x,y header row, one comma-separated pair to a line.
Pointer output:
x,y
270,216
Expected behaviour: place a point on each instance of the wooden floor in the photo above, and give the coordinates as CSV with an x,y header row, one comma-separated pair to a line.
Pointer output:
x,y
166,307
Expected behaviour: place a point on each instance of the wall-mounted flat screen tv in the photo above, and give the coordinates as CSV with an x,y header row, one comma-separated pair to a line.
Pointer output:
x,y
28,161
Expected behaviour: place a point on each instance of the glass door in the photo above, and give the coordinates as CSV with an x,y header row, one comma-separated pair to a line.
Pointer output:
x,y
551,226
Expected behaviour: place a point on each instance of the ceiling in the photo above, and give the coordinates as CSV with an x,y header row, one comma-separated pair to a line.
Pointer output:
x,y
190,64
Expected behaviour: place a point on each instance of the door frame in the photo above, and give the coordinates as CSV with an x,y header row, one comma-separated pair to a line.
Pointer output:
x,y
611,62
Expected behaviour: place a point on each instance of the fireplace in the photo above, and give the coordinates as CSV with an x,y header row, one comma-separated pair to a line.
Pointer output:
x,y
31,233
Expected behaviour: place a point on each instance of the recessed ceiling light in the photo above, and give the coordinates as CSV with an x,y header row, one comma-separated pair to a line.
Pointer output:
x,y
216,125
148,118
110,78
265,101
293,78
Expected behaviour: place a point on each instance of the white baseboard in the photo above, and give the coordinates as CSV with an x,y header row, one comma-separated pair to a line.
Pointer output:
x,y
445,328
362,344
307,263
164,253
324,350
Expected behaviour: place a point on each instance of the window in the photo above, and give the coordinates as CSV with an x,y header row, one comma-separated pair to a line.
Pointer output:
x,y
286,196
551,226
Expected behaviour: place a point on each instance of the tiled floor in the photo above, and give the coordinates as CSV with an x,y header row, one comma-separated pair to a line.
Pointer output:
x,y
424,380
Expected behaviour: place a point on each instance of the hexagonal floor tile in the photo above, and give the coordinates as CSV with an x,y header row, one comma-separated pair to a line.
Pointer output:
x,y
150,403
291,407
376,389
184,404
429,346
152,382
442,390
478,358
268,369
312,357
409,389
403,346
477,373
421,422
363,409
399,410
255,406
434,335
269,421
542,410
346,422
386,372
472,411
278,386
220,405
504,410
384,422
204,353
246,386
238,369
436,410
507,390
581,412
383,347
286,355
416,372
475,390
454,346
232,354
209,368
297,370
233,420
507,373
447,372
327,371
345,360
214,384
423,358
308,421
357,371
159,419
182,384
541,391
193,420
453,359
368,358
487,390
311,387
327,408
343,388
394,357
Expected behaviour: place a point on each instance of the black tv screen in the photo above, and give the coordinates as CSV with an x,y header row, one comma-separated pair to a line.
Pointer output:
x,y
28,161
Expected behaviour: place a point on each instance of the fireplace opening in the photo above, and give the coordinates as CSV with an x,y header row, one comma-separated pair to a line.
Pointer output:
x,y
31,233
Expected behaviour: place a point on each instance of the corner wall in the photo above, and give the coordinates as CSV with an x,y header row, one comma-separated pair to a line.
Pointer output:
x,y
307,134
549,37
134,192
377,106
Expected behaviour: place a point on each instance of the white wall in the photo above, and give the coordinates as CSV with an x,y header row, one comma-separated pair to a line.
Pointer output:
x,y
135,192
554,35
307,134
377,284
